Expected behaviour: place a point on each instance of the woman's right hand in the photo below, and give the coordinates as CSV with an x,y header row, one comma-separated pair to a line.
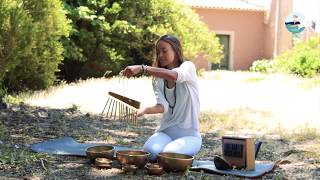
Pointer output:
x,y
130,71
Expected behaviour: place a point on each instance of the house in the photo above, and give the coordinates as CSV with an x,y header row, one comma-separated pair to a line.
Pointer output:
x,y
249,30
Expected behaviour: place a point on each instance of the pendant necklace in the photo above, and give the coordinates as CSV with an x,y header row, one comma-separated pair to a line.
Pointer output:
x,y
175,95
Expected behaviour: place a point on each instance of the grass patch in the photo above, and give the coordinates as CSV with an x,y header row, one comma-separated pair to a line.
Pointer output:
x,y
73,108
310,83
18,157
254,79
305,133
2,130
240,120
104,136
313,154
306,140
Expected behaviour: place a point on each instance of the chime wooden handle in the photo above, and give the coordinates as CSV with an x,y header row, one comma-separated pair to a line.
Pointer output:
x,y
131,102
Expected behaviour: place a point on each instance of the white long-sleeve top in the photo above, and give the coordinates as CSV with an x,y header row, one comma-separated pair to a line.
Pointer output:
x,y
186,111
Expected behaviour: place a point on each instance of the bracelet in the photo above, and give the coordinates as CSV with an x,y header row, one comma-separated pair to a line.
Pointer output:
x,y
144,69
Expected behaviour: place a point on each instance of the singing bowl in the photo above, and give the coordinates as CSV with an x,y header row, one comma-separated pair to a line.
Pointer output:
x,y
129,168
103,163
154,169
103,151
132,157
174,162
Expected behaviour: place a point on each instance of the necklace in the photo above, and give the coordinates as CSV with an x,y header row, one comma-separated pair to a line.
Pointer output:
x,y
175,95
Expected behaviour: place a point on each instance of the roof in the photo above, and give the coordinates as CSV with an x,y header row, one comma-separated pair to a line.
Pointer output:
x,y
247,5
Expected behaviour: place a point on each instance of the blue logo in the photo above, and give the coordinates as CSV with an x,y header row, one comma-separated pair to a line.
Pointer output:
x,y
295,23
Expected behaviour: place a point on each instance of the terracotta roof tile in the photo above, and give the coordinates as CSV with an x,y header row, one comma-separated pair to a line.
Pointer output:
x,y
248,5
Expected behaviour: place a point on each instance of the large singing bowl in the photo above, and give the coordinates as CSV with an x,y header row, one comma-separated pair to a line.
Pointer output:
x,y
174,162
132,157
103,151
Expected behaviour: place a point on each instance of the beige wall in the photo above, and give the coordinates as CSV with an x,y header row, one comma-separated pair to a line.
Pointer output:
x,y
270,32
278,38
284,36
247,28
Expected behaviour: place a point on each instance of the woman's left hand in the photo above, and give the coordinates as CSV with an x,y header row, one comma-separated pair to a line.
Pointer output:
x,y
130,71
141,112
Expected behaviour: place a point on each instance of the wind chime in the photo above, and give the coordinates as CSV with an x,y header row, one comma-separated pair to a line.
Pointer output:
x,y
120,107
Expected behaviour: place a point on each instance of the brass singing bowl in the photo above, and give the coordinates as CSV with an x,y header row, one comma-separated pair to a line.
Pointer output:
x,y
154,169
132,157
174,162
103,151
129,168
103,162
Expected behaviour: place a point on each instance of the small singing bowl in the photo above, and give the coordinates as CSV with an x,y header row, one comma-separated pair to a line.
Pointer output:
x,y
129,168
133,157
103,151
154,169
174,162
103,163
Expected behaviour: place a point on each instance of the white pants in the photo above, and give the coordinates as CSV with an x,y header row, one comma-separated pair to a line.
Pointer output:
x,y
161,142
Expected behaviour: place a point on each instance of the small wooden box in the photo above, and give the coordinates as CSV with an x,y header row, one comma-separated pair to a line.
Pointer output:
x,y
239,151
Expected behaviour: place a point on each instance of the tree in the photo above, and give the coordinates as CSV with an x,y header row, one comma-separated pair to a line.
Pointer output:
x,y
38,64
171,16
108,35
15,33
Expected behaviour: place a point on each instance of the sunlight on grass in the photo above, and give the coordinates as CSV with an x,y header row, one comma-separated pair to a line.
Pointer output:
x,y
229,100
300,134
249,121
310,83
91,95
242,120
254,79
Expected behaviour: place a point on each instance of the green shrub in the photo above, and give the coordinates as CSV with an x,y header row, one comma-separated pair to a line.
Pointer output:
x,y
3,90
303,59
15,35
38,64
11,99
264,65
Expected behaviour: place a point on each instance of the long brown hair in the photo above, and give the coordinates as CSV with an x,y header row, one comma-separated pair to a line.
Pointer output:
x,y
176,46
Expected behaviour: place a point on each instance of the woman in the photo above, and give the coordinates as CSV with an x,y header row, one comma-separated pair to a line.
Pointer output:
x,y
177,94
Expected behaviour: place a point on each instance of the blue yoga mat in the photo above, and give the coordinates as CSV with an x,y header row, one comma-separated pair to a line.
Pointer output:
x,y
68,146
